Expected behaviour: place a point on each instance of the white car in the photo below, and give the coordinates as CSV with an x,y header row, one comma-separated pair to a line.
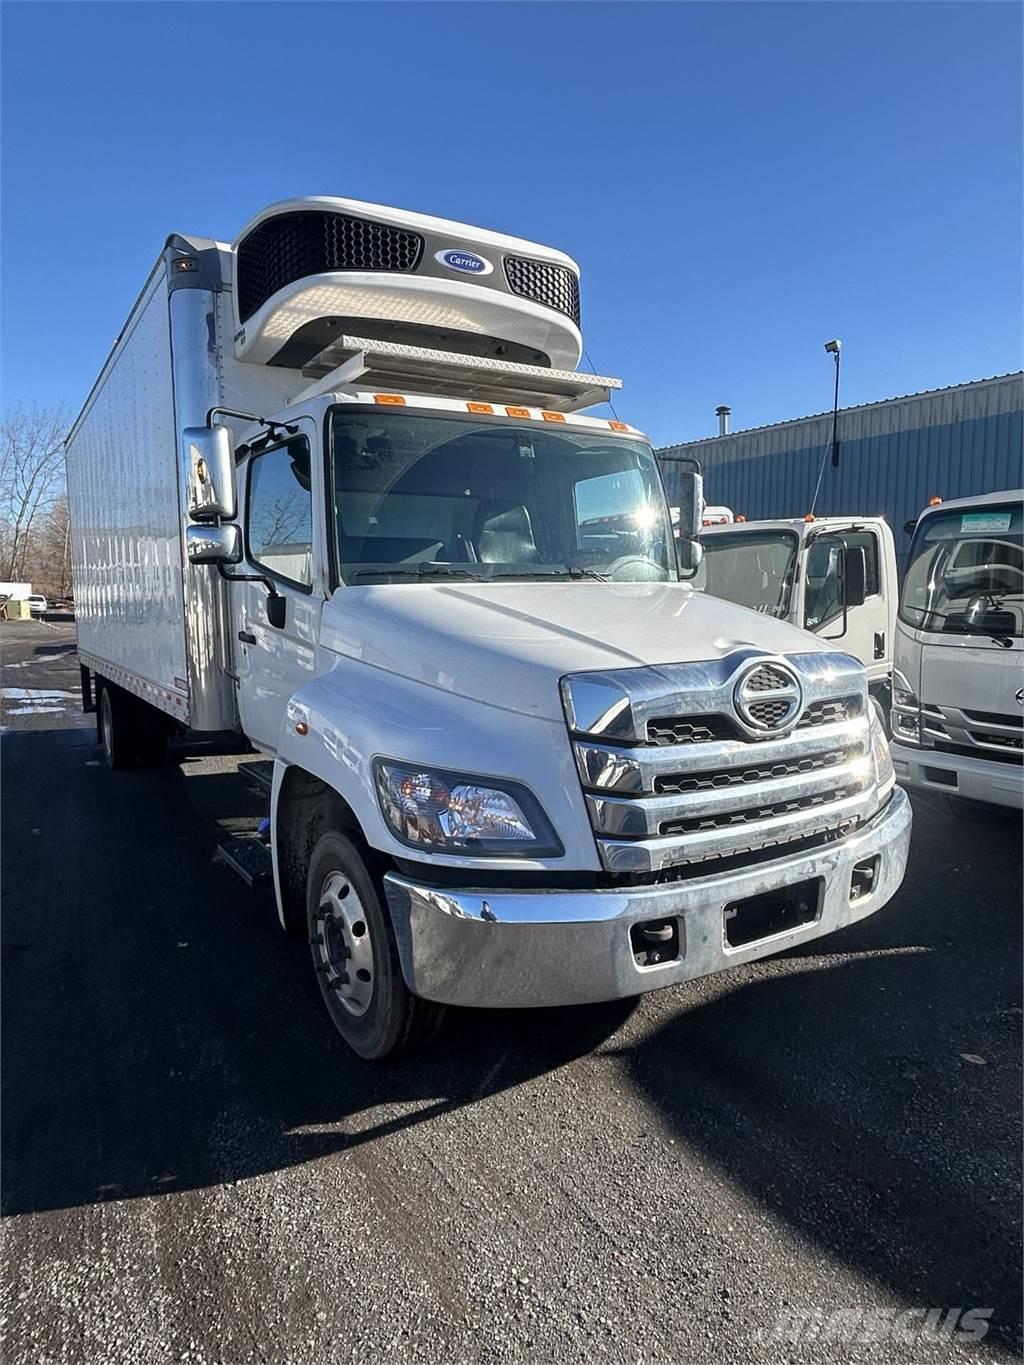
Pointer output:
x,y
36,603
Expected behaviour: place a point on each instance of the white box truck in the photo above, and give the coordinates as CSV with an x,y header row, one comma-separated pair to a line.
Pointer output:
x,y
958,682
334,490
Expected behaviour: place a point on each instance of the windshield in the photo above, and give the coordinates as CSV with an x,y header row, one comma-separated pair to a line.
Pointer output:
x,y
751,568
421,496
966,573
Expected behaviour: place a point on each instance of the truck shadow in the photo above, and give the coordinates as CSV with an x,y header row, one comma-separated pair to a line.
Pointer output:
x,y
160,1035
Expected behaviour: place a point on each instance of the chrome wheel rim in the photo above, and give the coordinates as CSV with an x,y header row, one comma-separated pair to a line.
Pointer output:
x,y
342,945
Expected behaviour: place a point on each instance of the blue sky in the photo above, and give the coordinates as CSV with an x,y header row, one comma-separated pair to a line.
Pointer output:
x,y
739,182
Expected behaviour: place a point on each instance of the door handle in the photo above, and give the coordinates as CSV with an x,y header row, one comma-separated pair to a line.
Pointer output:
x,y
879,644
247,637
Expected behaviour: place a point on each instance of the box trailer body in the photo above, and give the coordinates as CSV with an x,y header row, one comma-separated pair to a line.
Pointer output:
x,y
335,490
144,621
958,681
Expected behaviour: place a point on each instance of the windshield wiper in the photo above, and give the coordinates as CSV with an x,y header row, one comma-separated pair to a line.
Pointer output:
x,y
570,571
962,627
425,570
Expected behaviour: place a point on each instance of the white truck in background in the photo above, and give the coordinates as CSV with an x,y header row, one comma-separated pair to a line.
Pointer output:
x,y
958,681
833,576
333,491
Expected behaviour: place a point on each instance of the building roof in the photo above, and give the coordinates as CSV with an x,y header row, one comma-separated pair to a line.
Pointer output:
x,y
931,407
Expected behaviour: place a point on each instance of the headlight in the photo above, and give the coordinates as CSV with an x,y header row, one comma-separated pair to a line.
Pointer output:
x,y
446,812
906,711
885,773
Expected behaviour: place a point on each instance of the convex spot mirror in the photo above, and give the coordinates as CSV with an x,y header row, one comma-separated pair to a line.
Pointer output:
x,y
211,473
214,544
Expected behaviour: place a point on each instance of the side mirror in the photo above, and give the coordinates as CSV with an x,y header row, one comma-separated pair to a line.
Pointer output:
x,y
689,554
277,611
855,576
211,473
689,487
214,544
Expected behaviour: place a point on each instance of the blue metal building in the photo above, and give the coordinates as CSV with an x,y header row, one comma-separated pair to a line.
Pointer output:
x,y
893,456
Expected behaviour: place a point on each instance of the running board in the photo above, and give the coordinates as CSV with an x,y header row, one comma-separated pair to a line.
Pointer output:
x,y
249,858
259,776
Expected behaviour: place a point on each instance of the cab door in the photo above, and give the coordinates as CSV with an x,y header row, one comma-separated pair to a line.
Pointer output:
x,y
865,630
280,525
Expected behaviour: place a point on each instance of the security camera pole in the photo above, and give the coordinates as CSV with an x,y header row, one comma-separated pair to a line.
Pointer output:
x,y
834,347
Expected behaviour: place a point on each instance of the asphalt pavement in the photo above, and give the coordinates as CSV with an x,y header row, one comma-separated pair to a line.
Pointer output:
x,y
196,1169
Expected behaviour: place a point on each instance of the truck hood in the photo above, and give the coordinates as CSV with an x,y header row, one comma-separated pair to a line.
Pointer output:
x,y
510,643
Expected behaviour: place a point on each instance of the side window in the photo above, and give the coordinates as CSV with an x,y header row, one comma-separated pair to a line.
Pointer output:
x,y
279,524
868,542
823,597
823,592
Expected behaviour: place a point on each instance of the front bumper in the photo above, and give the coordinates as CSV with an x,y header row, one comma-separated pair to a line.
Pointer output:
x,y
532,948
977,779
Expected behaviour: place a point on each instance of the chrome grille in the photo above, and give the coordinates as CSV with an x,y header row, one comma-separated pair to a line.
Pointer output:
x,y
769,713
828,712
742,777
766,679
690,731
755,813
670,777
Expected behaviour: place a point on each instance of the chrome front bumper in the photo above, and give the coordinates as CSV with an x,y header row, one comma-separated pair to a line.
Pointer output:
x,y
533,948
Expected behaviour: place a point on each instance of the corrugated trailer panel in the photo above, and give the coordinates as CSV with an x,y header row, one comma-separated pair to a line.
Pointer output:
x,y
122,472
894,456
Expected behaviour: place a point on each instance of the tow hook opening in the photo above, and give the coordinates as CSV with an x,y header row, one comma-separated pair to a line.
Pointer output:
x,y
655,941
863,879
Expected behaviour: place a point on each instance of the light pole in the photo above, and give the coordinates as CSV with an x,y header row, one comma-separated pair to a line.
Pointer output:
x,y
834,348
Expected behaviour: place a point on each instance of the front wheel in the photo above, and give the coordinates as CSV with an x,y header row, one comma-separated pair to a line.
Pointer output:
x,y
355,956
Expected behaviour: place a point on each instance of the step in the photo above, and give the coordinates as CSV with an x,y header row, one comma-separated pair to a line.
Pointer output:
x,y
250,858
259,776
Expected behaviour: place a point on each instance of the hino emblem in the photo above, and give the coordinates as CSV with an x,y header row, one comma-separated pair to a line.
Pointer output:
x,y
768,697
1020,696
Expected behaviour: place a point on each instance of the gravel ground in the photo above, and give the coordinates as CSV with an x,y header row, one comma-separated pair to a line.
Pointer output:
x,y
195,1169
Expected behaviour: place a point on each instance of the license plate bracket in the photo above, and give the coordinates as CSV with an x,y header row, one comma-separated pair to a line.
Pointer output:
x,y
755,918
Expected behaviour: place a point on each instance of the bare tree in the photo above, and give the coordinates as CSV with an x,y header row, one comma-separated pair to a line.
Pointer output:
x,y
31,478
47,562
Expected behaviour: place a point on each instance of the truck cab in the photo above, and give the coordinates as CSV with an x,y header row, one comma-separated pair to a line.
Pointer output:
x,y
833,576
958,698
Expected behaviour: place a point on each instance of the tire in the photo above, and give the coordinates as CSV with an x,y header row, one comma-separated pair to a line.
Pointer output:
x,y
355,957
132,733
115,728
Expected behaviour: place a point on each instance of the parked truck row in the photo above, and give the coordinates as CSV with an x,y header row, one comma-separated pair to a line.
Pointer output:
x,y
943,654
335,491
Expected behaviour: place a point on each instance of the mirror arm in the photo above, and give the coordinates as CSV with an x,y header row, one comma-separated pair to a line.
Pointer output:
x,y
272,427
248,578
